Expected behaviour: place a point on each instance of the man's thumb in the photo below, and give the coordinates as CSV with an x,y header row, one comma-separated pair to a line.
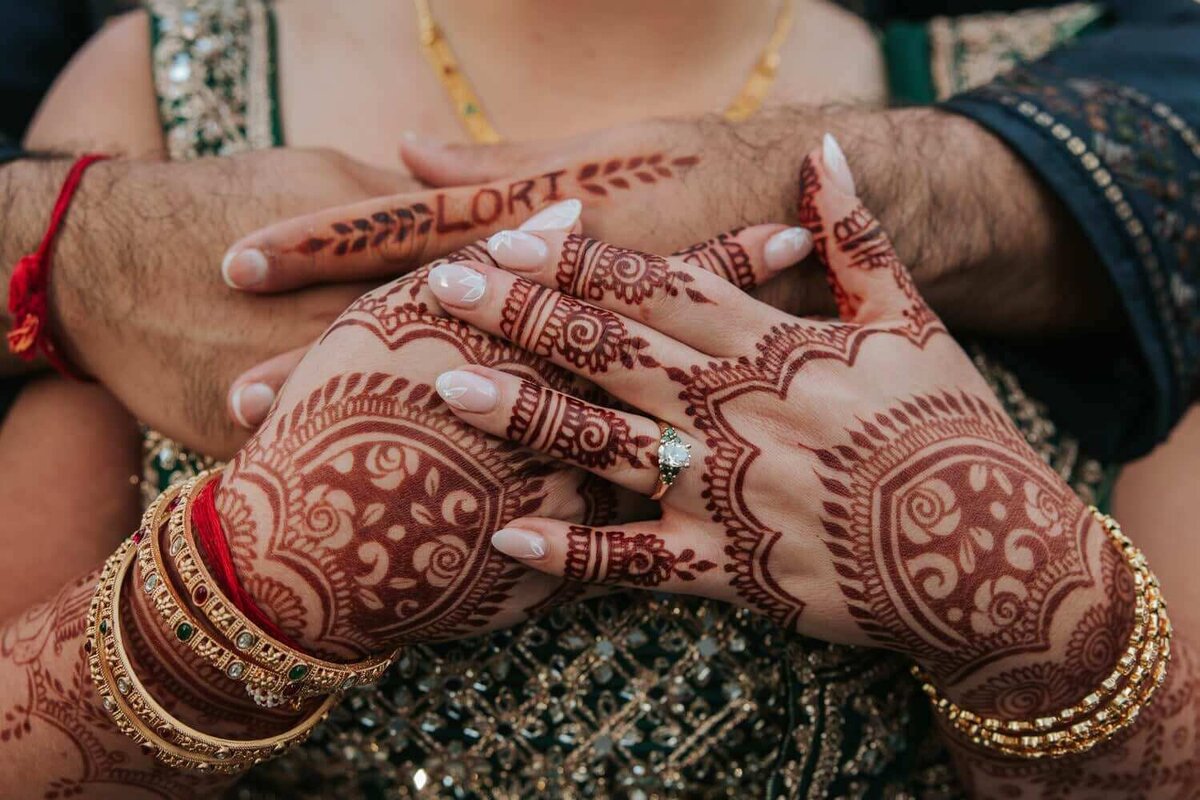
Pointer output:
x,y
438,164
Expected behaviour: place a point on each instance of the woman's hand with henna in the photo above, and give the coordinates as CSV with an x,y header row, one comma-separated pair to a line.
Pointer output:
x,y
852,479
359,515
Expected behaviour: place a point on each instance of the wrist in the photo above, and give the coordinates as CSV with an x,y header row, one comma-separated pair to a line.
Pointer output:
x,y
1086,634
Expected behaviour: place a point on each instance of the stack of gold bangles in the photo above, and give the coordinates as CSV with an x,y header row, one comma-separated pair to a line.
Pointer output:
x,y
195,613
1108,709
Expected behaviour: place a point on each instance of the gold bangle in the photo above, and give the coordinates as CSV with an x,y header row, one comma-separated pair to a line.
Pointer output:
x,y
1113,706
173,610
140,716
275,672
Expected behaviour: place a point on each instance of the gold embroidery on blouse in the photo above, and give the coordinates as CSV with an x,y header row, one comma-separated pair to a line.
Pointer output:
x,y
971,50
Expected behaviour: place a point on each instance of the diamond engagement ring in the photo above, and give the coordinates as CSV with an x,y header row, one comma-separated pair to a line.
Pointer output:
x,y
674,456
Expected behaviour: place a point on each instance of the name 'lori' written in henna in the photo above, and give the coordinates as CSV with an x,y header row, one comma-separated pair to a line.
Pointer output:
x,y
450,211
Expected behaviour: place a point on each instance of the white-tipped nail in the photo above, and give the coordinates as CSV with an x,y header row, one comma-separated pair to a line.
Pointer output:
x,y
457,284
836,164
788,247
517,249
244,269
467,391
409,136
251,403
558,217
519,544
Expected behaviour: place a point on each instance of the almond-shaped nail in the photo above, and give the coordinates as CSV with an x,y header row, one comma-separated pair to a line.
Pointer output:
x,y
836,164
457,285
789,246
467,391
517,249
244,269
251,402
561,216
525,545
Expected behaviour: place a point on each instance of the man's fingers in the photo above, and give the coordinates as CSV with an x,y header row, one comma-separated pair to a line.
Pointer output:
x,y
646,555
869,283
380,238
439,164
253,393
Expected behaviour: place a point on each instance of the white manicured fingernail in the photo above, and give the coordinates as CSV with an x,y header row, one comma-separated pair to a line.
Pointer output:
x,y
467,391
517,249
251,402
836,164
786,248
457,285
521,544
244,269
558,217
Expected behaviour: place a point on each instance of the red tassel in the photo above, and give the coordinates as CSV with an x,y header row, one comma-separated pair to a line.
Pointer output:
x,y
214,547
29,287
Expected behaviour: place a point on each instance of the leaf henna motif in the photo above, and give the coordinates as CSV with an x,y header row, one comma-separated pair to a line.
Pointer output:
x,y
949,545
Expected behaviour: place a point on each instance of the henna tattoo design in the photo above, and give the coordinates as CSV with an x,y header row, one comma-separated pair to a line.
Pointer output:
x,y
641,559
1098,639
1158,756
547,323
859,236
56,708
566,428
592,270
402,233
723,256
370,486
950,546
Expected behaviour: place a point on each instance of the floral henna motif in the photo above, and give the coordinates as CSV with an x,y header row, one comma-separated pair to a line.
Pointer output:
x,y
379,504
640,559
564,427
404,232
592,270
547,323
949,545
1098,640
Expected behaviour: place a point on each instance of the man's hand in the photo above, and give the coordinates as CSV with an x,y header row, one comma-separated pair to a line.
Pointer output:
x,y
995,252
137,293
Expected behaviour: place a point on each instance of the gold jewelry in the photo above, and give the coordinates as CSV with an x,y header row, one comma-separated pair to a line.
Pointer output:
x,y
674,456
273,672
1099,716
470,110
138,715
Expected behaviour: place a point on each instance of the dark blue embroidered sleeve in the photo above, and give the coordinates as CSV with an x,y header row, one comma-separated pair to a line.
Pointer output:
x,y
1110,123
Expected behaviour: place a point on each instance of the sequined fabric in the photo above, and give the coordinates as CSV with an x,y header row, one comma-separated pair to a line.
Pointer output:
x,y
631,695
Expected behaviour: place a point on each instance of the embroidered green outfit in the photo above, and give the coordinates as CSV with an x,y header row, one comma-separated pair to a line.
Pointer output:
x,y
634,695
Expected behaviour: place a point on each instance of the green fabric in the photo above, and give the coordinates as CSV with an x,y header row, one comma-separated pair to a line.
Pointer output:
x,y
906,53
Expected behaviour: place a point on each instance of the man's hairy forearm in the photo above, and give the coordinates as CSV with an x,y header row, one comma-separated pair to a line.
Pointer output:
x,y
992,248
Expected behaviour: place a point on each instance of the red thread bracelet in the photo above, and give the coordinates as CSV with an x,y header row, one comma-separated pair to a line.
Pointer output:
x,y
214,546
29,287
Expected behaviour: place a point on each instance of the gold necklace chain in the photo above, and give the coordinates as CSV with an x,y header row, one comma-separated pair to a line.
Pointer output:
x,y
470,111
